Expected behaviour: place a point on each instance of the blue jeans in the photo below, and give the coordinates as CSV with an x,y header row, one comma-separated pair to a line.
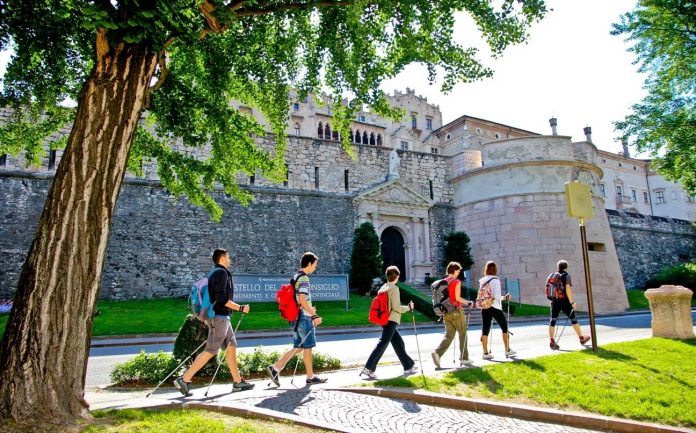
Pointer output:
x,y
303,332
389,335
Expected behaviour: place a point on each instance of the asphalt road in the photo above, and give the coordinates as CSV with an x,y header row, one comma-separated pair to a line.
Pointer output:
x,y
529,339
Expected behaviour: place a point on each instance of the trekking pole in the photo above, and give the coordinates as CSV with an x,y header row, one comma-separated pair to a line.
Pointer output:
x,y
226,348
508,316
564,325
415,332
297,363
175,370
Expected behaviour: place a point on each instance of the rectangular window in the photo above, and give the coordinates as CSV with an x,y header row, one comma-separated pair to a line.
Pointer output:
x,y
634,196
252,179
596,246
316,177
432,196
287,175
362,119
404,145
428,123
660,197
433,150
602,190
345,179
645,197
296,106
51,159
414,121
3,160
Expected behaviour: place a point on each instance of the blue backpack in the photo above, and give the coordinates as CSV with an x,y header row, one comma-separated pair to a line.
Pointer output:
x,y
199,299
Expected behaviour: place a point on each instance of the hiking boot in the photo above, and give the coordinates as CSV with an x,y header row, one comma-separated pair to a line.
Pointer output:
x,y
275,375
242,386
509,353
584,339
553,345
466,363
412,370
182,386
436,359
315,380
487,355
369,373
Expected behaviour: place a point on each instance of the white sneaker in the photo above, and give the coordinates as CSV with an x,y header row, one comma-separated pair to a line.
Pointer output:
x,y
369,373
412,370
436,359
509,353
488,355
466,363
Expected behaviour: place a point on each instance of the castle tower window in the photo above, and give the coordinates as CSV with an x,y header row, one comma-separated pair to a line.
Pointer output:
x,y
295,106
428,123
51,159
404,145
3,160
379,139
357,136
287,175
252,179
335,135
372,138
602,191
327,132
297,129
365,138
345,179
362,119
432,196
497,136
634,195
316,177
645,197
320,130
414,121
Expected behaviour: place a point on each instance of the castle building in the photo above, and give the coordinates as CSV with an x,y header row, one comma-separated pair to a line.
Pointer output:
x,y
415,180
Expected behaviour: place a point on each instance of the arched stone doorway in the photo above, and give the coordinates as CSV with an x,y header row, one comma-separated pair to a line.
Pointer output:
x,y
393,253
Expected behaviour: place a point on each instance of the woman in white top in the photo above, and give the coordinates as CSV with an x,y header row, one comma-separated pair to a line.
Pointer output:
x,y
495,311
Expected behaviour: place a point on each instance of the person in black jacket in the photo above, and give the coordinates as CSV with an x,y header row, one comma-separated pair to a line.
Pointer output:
x,y
220,333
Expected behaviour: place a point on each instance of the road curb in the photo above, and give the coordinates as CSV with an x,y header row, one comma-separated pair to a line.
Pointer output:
x,y
515,410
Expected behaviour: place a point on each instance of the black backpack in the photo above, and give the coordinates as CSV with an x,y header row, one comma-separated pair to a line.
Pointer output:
x,y
441,300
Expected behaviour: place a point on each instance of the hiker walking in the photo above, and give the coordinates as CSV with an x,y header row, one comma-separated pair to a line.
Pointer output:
x,y
492,308
220,333
560,292
304,338
455,321
389,332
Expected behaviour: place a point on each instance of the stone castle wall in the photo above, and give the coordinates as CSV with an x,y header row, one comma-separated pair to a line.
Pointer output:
x,y
646,245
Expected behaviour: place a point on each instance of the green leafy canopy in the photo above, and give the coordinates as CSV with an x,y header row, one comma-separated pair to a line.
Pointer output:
x,y
663,37
257,53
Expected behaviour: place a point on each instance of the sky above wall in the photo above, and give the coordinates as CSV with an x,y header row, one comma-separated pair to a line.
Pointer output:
x,y
571,68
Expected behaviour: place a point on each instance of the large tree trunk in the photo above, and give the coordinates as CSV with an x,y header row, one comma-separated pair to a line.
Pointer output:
x,y
44,352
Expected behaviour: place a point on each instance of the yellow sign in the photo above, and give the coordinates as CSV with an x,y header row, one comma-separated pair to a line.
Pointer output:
x,y
579,200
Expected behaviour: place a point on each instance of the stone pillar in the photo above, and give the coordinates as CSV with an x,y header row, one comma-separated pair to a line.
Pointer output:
x,y
426,234
671,311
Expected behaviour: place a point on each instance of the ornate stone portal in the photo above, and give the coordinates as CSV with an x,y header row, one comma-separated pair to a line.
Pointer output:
x,y
393,205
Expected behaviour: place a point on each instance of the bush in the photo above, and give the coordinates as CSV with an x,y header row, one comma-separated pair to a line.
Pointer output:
x,y
422,303
679,275
365,258
191,335
149,368
455,248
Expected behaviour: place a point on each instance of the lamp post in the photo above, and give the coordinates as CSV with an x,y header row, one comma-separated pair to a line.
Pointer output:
x,y
579,204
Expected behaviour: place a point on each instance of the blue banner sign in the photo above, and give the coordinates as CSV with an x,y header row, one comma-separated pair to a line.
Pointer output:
x,y
262,288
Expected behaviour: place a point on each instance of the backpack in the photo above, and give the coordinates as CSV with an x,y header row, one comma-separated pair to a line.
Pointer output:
x,y
379,309
441,299
287,302
554,286
199,299
484,298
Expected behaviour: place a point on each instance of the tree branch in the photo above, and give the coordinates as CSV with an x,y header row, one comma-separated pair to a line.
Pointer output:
x,y
291,6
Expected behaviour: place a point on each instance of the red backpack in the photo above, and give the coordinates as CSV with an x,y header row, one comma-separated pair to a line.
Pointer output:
x,y
379,310
554,286
287,303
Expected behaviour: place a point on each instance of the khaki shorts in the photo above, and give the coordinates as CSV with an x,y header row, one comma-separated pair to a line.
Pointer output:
x,y
220,334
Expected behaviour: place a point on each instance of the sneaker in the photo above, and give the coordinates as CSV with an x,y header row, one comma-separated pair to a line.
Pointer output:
x,y
436,359
509,353
315,380
242,386
487,355
553,345
466,363
275,375
412,370
369,373
585,339
182,386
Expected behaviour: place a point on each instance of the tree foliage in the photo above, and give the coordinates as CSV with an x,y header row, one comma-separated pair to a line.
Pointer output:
x,y
663,37
365,258
213,52
455,248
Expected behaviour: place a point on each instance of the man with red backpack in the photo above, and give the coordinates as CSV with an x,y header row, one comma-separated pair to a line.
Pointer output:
x,y
560,293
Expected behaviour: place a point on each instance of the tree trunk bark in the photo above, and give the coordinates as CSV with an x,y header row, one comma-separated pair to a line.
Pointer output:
x,y
44,352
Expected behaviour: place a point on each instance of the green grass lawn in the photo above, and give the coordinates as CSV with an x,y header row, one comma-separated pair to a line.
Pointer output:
x,y
184,421
167,315
649,380
638,301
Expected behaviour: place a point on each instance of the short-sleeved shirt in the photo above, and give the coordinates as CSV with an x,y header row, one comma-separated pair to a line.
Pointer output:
x,y
302,288
566,279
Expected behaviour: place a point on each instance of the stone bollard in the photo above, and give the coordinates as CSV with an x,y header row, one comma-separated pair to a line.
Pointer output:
x,y
671,311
